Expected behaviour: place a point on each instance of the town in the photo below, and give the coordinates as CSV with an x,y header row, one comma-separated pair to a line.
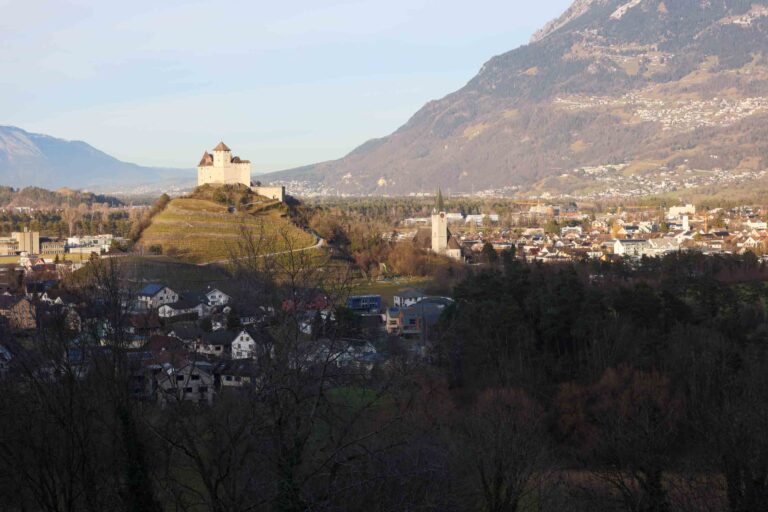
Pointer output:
x,y
209,335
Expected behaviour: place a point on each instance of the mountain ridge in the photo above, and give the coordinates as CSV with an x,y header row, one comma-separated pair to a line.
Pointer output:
x,y
645,84
37,160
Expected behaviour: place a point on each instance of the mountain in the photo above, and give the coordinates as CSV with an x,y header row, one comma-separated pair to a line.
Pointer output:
x,y
34,197
30,159
614,98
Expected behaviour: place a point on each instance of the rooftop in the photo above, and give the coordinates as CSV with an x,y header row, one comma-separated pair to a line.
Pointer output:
x,y
221,147
151,290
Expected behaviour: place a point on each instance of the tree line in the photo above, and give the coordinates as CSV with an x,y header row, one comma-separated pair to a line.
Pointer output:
x,y
587,386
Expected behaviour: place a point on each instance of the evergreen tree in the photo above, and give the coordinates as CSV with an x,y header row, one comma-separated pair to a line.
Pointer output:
x,y
440,202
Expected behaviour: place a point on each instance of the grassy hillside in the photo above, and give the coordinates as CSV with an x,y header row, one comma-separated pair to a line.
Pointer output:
x,y
204,231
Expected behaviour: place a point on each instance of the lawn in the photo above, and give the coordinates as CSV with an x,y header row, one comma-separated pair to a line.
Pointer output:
x,y
388,289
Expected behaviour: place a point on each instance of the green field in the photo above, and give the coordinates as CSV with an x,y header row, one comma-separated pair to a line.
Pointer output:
x,y
201,231
388,289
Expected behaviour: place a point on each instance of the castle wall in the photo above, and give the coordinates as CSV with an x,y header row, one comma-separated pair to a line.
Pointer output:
x,y
271,192
228,174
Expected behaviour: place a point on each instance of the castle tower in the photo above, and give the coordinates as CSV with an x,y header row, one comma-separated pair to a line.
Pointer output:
x,y
439,232
222,155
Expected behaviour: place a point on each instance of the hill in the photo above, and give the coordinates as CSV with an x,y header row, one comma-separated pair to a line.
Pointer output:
x,y
616,97
31,159
201,230
34,197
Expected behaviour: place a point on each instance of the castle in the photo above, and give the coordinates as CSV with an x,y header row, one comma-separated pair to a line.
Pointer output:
x,y
221,168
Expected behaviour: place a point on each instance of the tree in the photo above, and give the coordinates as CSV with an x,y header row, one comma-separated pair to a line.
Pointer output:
x,y
628,427
501,451
490,254
552,227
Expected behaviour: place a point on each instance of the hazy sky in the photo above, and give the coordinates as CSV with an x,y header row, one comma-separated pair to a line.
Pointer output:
x,y
284,83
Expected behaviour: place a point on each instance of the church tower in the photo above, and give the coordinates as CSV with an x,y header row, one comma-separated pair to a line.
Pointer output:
x,y
439,232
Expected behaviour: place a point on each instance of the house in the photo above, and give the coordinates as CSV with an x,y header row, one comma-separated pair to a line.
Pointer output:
x,y
677,212
183,306
341,353
20,312
662,246
188,332
153,296
216,297
408,298
250,315
167,351
757,224
250,345
35,288
193,382
217,343
357,354
418,321
60,298
235,374
394,320
633,248
752,243
364,303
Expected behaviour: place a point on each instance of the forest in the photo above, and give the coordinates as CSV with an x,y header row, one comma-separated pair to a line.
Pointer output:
x,y
587,386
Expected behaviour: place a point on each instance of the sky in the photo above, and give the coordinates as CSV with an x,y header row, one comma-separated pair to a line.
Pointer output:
x,y
284,83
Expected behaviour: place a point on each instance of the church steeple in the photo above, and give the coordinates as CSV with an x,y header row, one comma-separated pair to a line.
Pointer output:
x,y
440,204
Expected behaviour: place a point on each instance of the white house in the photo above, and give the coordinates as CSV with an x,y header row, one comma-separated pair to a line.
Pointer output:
x,y
217,297
244,346
236,373
662,246
408,298
217,343
193,382
677,212
183,307
633,248
757,224
153,296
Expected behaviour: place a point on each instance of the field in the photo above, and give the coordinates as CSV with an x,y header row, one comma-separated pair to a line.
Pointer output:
x,y
388,289
179,275
201,231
